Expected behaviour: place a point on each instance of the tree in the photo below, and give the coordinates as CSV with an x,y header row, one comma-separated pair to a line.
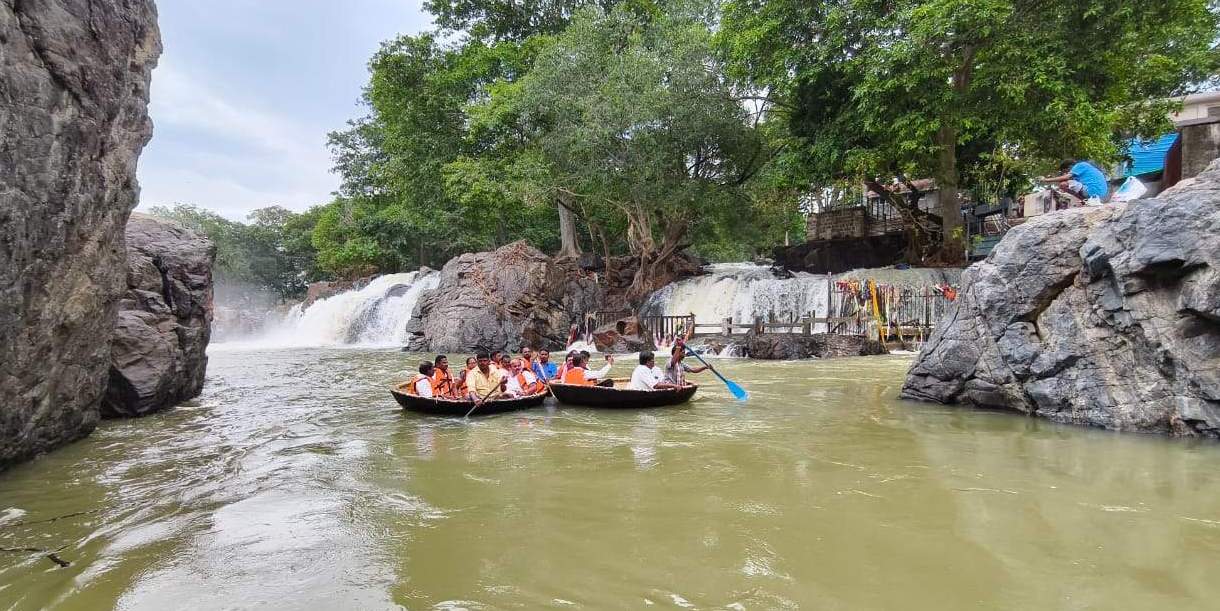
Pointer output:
x,y
497,20
628,114
272,251
924,87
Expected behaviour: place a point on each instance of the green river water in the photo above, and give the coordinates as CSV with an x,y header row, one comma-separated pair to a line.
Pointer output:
x,y
295,482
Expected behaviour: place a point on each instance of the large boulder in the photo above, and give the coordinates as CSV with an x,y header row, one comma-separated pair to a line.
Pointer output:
x,y
158,352
789,346
512,297
75,78
1105,316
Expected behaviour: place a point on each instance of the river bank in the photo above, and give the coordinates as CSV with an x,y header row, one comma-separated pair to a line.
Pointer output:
x,y
295,481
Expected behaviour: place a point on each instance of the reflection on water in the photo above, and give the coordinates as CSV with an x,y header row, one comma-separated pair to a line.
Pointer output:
x,y
295,482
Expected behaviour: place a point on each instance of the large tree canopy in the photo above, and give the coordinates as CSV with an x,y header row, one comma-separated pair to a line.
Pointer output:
x,y
925,87
628,115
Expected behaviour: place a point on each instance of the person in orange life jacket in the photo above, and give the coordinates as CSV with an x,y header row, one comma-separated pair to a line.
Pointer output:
x,y
676,370
421,384
471,363
567,364
521,382
527,357
578,375
442,382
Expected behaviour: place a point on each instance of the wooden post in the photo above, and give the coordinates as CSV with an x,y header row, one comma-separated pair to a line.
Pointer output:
x,y
726,327
807,328
758,325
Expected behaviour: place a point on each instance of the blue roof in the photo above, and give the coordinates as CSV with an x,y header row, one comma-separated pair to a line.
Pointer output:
x,y
1147,157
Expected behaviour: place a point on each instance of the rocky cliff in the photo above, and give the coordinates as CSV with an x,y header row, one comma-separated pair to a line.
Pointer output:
x,y
504,299
75,78
1104,316
158,350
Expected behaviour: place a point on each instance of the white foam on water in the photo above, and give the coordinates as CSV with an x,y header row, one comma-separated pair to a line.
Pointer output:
x,y
375,315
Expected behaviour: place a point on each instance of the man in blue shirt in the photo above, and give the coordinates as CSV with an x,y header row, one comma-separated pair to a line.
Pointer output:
x,y
1082,179
543,368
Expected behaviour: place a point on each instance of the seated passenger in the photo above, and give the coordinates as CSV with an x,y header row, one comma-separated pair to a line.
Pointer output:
x,y
521,382
543,368
496,357
442,382
461,390
646,375
483,382
579,376
421,384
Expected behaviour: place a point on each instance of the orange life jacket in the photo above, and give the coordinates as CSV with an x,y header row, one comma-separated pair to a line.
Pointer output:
x,y
442,384
576,377
527,387
411,389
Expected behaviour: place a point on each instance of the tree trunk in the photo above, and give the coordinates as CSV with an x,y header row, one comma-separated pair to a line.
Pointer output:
x,y
569,246
953,245
652,274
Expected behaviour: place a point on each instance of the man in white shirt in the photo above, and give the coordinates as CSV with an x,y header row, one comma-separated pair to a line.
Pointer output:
x,y
646,375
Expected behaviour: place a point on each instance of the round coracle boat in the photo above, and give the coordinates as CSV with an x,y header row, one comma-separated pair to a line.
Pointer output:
x,y
619,396
459,407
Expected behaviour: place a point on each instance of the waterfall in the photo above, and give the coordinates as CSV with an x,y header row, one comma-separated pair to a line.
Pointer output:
x,y
744,291
741,291
374,315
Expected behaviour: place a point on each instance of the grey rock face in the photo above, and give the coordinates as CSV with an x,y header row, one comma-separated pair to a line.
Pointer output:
x,y
158,353
75,76
1107,317
786,346
513,297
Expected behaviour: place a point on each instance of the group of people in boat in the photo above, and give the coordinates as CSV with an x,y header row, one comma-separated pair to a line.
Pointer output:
x,y
497,375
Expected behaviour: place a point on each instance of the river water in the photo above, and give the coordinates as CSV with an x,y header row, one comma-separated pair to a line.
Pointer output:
x,y
296,482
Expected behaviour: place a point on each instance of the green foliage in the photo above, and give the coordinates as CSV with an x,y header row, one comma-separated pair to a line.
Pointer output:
x,y
272,250
873,89
626,116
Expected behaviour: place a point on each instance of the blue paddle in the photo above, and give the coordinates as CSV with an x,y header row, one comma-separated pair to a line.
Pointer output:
x,y
737,391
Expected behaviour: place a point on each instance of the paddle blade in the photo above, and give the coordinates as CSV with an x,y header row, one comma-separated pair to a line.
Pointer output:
x,y
737,391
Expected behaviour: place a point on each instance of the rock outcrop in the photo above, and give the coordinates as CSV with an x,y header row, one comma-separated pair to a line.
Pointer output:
x,y
789,346
1105,316
75,79
506,299
158,352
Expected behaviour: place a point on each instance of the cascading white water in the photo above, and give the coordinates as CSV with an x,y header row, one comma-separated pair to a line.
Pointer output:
x,y
375,315
743,292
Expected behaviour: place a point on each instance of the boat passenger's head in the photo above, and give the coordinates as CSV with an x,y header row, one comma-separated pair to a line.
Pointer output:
x,y
678,351
442,362
495,356
585,355
471,362
484,361
526,353
516,365
572,356
578,360
426,368
544,356
647,359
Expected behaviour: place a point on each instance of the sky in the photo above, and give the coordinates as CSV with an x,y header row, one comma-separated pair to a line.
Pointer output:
x,y
246,92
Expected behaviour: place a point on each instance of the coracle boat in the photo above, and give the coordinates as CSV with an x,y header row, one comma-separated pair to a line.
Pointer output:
x,y
458,407
620,397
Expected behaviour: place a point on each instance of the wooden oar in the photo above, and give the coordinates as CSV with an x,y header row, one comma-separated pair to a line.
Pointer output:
x,y
737,391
